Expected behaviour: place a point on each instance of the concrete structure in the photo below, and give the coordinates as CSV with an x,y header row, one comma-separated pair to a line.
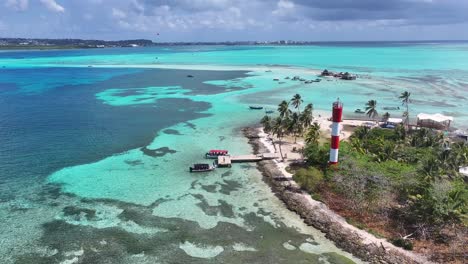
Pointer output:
x,y
335,132
437,121
226,161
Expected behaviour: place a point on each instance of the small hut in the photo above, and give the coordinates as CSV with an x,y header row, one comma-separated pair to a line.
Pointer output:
x,y
436,121
326,73
348,76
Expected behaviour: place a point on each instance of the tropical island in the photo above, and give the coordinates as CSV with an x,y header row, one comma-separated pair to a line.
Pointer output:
x,y
403,183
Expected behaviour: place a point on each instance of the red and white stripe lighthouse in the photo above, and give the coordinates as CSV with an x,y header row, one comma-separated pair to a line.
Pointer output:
x,y
335,132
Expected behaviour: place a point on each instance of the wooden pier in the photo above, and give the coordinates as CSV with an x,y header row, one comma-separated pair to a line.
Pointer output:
x,y
226,161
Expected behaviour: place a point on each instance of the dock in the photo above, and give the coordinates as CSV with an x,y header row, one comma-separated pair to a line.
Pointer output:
x,y
226,161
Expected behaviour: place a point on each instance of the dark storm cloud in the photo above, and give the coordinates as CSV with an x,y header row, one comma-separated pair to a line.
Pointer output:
x,y
412,11
186,5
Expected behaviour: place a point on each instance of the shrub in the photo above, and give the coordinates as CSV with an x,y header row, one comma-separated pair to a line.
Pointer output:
x,y
403,243
316,155
309,179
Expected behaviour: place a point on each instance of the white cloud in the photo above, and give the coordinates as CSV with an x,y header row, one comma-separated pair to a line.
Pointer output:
x,y
53,6
284,8
119,14
138,6
19,5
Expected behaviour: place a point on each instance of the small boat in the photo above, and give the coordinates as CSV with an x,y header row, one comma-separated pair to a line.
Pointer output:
x,y
310,81
391,108
269,111
318,80
190,76
287,78
281,83
202,167
359,111
215,153
253,107
276,79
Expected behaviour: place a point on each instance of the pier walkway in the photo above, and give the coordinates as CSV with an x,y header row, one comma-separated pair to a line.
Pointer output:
x,y
226,161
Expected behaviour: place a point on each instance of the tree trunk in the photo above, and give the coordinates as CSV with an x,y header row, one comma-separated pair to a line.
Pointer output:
x,y
281,153
407,117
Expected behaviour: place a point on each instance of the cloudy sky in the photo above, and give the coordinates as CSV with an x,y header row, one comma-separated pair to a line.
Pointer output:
x,y
219,20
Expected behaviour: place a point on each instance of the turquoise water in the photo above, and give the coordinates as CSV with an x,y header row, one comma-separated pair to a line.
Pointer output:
x,y
95,158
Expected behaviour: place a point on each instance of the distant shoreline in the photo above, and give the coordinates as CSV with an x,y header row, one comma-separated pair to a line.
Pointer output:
x,y
62,44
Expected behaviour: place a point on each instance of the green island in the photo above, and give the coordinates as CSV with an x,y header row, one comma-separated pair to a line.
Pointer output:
x,y
402,184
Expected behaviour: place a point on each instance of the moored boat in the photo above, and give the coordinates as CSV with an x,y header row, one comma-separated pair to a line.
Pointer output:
x,y
391,108
359,111
214,153
201,167
254,107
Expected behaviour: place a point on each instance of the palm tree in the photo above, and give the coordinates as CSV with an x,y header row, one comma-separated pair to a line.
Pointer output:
x,y
386,116
266,123
371,108
294,125
405,100
283,109
296,101
306,116
313,134
278,131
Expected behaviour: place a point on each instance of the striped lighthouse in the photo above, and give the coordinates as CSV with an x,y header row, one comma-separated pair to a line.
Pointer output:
x,y
335,132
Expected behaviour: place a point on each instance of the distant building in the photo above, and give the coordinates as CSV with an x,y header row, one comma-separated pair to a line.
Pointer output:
x,y
348,76
326,73
436,121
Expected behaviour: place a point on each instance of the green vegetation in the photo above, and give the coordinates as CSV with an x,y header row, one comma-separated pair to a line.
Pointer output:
x,y
371,108
403,243
309,179
289,122
401,182
405,100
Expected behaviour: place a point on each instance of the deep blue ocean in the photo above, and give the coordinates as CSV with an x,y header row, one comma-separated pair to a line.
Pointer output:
x,y
53,120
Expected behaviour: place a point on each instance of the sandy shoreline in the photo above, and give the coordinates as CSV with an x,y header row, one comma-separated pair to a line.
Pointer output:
x,y
351,239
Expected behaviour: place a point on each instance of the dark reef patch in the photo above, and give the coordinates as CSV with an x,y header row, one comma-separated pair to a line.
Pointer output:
x,y
209,188
134,162
77,212
224,209
226,174
115,245
229,186
190,125
159,152
171,132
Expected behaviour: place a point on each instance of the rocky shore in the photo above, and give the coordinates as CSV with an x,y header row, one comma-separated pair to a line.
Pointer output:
x,y
356,241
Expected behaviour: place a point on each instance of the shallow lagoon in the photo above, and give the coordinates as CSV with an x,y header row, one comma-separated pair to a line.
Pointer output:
x,y
111,181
